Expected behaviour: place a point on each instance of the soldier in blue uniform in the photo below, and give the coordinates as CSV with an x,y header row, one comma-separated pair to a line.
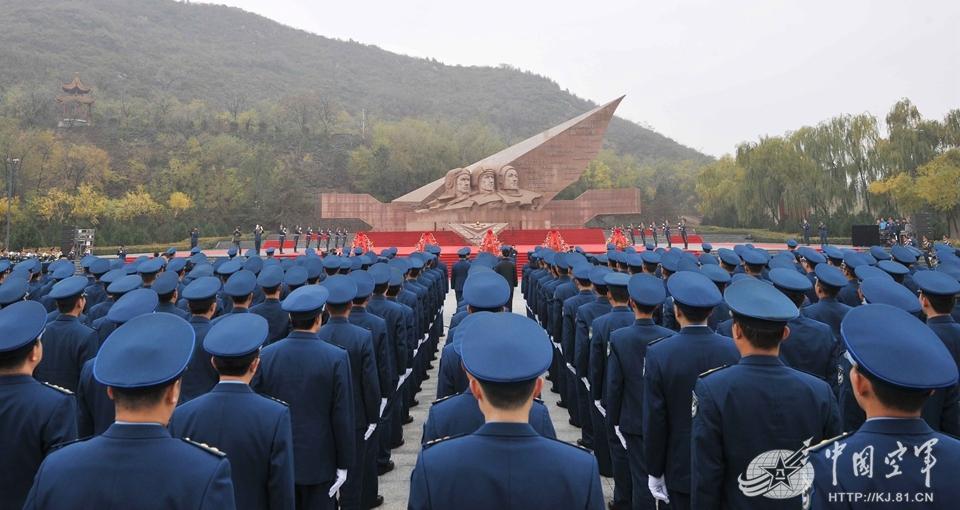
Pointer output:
x,y
584,320
459,271
257,238
95,409
810,346
742,412
166,286
938,293
95,291
68,344
829,281
194,237
34,416
671,369
269,280
140,364
623,388
253,430
894,457
201,296
584,294
238,290
607,446
365,383
509,464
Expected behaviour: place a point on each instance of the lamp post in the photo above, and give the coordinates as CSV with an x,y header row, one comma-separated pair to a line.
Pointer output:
x,y
11,166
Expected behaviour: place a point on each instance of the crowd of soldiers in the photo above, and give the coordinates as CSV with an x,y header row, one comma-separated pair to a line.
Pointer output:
x,y
711,380
318,239
639,232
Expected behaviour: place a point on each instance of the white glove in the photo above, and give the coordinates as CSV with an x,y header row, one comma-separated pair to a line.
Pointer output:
x,y
383,405
369,432
658,487
341,479
623,441
603,412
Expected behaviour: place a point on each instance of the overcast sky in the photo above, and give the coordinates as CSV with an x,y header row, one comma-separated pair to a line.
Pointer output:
x,y
707,73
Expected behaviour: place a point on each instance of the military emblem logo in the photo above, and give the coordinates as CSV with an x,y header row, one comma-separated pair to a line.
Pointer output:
x,y
777,474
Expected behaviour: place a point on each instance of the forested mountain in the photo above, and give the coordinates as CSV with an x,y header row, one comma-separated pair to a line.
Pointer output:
x,y
234,59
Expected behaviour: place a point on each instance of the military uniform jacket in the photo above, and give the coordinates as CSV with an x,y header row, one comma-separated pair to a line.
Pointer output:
x,y
254,431
383,351
949,332
451,378
889,458
828,311
363,368
34,417
811,347
623,390
745,410
103,327
459,274
313,377
392,314
508,270
278,321
135,464
409,322
200,376
585,315
419,305
602,328
672,368
848,295
414,330
95,410
99,310
509,467
565,289
460,415
95,295
569,320
172,308
67,344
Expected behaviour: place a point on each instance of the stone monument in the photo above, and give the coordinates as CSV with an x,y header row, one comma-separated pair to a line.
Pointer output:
x,y
514,187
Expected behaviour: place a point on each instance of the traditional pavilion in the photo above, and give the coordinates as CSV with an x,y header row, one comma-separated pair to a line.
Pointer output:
x,y
76,104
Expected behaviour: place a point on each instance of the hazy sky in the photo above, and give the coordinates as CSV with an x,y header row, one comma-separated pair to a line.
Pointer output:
x,y
709,74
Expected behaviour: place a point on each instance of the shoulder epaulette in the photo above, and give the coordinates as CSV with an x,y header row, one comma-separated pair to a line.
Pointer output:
x,y
205,447
61,389
539,400
441,399
68,443
656,340
428,444
825,442
811,374
712,370
572,445
275,399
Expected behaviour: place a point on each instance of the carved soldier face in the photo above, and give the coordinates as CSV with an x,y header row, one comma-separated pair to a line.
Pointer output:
x,y
511,180
488,183
463,184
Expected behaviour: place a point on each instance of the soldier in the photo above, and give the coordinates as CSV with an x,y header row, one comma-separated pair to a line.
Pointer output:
x,y
806,232
309,238
643,233
505,453
236,238
633,240
666,234
239,289
68,343
141,364
314,378
822,230
282,237
892,385
731,464
829,281
255,429
669,377
194,237
270,280
34,416
601,329
653,230
297,232
201,296
623,389
122,253
584,319
365,385
682,227
938,293
257,239
459,272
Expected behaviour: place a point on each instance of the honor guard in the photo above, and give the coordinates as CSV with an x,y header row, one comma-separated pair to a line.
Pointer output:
x,y
141,364
358,343
894,459
253,430
752,420
257,238
297,232
511,465
194,237
670,374
282,236
34,417
67,343
95,409
623,389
